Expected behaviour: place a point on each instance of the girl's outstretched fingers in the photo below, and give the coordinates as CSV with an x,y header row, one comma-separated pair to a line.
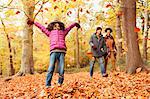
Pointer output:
x,y
78,25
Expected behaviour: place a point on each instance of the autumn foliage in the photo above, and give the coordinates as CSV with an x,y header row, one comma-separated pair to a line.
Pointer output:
x,y
79,85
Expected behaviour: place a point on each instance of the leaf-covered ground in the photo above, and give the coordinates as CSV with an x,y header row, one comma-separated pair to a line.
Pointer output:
x,y
78,86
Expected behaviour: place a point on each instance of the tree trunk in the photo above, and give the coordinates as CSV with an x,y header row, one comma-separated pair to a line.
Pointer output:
x,y
1,65
77,44
11,70
124,30
118,33
145,34
27,65
119,36
1,68
134,59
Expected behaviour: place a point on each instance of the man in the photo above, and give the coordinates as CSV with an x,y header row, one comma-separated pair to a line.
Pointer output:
x,y
99,50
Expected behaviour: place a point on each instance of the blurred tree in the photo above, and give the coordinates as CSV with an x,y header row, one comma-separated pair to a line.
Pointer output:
x,y
11,70
146,27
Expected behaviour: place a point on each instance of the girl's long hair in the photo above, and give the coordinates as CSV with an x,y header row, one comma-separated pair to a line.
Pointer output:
x,y
51,25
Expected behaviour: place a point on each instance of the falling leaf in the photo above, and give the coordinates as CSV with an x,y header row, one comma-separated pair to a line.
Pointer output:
x,y
46,9
68,13
55,7
108,5
67,1
17,12
136,29
81,10
87,12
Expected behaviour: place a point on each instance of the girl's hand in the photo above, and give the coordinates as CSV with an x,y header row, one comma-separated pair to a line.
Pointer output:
x,y
78,25
30,22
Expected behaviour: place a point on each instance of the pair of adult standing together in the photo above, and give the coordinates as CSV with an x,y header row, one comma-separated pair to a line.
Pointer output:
x,y
103,48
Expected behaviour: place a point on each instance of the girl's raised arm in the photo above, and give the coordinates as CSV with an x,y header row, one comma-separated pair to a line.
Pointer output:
x,y
71,26
42,28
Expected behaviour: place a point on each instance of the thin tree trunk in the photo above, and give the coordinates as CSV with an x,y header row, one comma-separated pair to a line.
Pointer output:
x,y
119,36
134,59
77,44
1,68
1,65
11,70
145,34
27,65
118,33
124,30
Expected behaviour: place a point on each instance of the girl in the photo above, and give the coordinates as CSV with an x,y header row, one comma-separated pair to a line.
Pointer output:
x,y
56,32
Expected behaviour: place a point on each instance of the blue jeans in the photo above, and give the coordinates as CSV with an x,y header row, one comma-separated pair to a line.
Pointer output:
x,y
53,57
101,64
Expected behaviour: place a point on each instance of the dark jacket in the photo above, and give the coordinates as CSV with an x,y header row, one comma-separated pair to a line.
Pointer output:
x,y
100,44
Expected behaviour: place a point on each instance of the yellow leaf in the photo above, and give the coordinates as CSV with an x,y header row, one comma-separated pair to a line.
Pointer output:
x,y
9,12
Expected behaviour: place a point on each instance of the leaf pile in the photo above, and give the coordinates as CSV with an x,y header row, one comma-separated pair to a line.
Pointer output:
x,y
78,86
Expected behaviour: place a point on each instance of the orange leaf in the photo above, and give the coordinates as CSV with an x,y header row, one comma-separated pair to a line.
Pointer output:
x,y
108,5
17,12
136,29
68,13
55,7
46,9
67,1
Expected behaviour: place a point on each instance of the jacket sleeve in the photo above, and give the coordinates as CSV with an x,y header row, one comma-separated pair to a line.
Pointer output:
x,y
69,28
114,45
42,28
104,45
91,41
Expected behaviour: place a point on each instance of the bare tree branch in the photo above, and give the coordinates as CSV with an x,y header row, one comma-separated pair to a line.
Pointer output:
x,y
17,9
3,24
37,2
43,2
40,8
7,4
10,3
148,48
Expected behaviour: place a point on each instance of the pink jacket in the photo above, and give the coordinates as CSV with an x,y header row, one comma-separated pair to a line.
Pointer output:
x,y
56,37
